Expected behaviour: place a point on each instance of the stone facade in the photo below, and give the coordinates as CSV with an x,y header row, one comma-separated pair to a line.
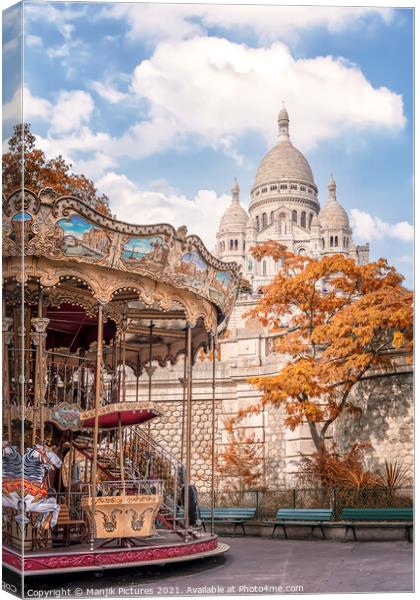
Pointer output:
x,y
386,422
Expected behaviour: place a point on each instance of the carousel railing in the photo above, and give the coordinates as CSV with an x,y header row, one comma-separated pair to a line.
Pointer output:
x,y
70,521
151,459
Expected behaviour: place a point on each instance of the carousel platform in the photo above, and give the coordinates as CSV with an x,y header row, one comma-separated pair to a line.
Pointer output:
x,y
165,547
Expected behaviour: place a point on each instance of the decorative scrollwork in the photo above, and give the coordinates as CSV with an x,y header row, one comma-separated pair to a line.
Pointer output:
x,y
109,523
163,266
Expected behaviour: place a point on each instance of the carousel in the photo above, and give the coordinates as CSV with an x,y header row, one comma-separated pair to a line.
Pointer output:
x,y
88,301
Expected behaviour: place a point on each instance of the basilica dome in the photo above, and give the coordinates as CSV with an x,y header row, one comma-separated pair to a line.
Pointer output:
x,y
235,217
284,161
332,215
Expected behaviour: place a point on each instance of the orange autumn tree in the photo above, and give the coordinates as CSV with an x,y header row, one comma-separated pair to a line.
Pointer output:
x,y
39,173
336,322
239,460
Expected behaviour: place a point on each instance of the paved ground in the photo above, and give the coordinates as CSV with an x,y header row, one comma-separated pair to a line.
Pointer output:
x,y
256,565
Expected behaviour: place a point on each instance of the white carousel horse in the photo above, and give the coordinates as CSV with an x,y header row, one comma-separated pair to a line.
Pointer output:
x,y
30,493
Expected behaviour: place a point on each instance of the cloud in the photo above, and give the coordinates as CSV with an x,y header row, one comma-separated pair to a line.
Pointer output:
x,y
72,109
71,52
32,107
148,22
209,92
108,92
71,144
94,167
219,90
60,17
11,45
33,41
155,23
368,227
200,214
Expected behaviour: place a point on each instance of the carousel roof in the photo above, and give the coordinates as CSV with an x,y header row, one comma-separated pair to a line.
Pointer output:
x,y
141,274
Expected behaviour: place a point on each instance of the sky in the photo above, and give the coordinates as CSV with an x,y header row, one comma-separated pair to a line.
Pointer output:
x,y
162,105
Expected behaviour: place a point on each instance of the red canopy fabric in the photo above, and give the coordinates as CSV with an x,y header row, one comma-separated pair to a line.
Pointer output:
x,y
128,413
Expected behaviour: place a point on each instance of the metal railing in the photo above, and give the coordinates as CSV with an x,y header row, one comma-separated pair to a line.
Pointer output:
x,y
268,502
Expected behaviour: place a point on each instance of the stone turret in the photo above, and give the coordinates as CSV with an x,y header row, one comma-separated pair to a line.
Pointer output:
x,y
335,224
232,230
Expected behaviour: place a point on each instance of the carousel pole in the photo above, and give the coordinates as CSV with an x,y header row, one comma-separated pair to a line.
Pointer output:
x,y
213,429
138,377
98,391
188,432
150,370
183,381
120,436
38,336
7,338
69,475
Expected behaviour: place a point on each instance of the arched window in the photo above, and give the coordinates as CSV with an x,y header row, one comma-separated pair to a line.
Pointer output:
x,y
231,244
303,219
257,221
331,241
323,243
221,246
264,268
236,244
310,219
264,220
279,264
271,216
282,221
336,241
294,216
243,245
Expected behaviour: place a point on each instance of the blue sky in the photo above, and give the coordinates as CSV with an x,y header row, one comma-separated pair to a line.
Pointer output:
x,y
162,105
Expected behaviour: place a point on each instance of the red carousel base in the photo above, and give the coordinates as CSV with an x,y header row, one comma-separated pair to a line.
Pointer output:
x,y
66,560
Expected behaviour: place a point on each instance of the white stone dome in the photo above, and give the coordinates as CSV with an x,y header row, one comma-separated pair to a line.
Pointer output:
x,y
235,217
332,215
284,161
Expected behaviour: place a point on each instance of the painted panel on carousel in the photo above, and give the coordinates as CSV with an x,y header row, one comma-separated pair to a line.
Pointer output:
x,y
21,227
146,251
65,416
194,268
220,285
81,238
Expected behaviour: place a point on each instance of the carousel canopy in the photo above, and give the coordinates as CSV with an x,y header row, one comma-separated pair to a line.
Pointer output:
x,y
143,275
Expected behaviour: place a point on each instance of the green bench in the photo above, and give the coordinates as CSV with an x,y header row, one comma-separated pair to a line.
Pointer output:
x,y
229,516
377,517
301,517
